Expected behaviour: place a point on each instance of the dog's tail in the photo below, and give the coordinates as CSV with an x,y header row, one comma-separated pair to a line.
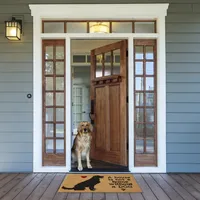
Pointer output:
x,y
65,188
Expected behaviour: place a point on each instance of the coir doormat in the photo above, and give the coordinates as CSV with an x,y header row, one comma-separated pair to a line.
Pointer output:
x,y
99,183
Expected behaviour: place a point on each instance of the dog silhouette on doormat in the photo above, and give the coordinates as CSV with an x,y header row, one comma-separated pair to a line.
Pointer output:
x,y
90,183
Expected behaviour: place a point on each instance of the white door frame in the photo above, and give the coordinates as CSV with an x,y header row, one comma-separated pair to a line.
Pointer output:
x,y
94,11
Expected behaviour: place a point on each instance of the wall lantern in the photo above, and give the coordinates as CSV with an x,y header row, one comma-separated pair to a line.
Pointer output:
x,y
13,29
99,27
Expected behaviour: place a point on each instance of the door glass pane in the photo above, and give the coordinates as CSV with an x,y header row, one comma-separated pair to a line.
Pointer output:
x,y
139,130
49,114
60,52
116,69
117,56
149,68
49,52
49,130
138,68
108,57
139,115
149,99
76,27
77,109
150,115
59,130
149,52
59,146
144,27
49,146
139,101
107,71
121,27
78,117
49,83
150,146
60,99
116,64
77,91
60,68
139,146
59,83
49,67
150,130
149,83
53,27
139,53
49,99
139,83
60,114
99,67
78,100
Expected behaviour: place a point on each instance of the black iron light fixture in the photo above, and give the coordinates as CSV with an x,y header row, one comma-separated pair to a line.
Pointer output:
x,y
13,29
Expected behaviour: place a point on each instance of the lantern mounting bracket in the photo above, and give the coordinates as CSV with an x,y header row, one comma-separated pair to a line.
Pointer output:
x,y
20,19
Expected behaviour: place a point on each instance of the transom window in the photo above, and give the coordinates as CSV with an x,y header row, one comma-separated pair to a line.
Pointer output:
x,y
99,26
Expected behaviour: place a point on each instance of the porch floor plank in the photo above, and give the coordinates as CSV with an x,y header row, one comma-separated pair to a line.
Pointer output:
x,y
86,196
111,196
6,188
43,186
195,193
73,196
7,179
137,196
146,191
30,187
191,181
2,176
158,191
195,177
166,187
19,187
99,196
61,196
124,196
185,194
53,187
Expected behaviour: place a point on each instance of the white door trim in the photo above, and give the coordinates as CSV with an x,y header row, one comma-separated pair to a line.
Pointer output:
x,y
94,11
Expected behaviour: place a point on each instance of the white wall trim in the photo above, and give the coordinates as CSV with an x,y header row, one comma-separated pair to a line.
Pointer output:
x,y
94,11
99,11
98,36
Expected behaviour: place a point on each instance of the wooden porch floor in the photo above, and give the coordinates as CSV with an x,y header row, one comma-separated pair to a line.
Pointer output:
x,y
45,186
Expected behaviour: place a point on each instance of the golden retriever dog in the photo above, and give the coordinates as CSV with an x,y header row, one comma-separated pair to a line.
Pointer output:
x,y
82,144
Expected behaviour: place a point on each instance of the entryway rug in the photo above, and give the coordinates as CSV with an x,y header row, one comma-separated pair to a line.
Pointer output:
x,y
99,183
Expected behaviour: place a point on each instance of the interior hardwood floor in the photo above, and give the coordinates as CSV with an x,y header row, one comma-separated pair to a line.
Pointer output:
x,y
100,166
44,186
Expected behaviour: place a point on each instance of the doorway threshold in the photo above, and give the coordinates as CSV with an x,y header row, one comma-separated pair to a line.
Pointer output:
x,y
100,167
99,170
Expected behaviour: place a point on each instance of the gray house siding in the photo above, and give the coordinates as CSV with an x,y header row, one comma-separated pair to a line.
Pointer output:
x,y
183,86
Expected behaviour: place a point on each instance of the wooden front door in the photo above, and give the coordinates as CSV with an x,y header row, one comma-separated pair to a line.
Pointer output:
x,y
109,103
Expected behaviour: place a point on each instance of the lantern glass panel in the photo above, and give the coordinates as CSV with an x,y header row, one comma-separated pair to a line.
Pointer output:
x,y
13,30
